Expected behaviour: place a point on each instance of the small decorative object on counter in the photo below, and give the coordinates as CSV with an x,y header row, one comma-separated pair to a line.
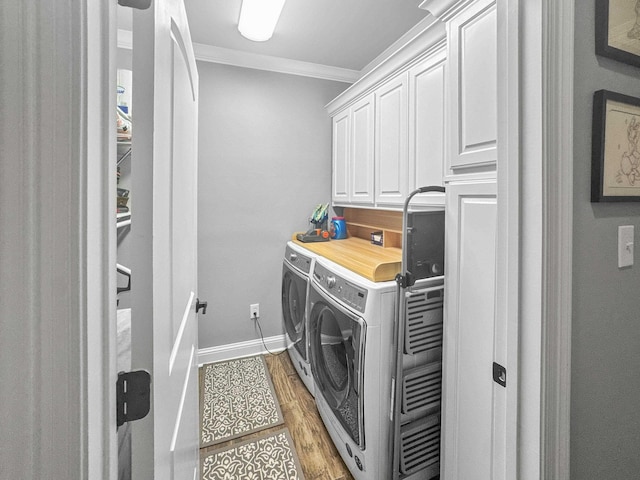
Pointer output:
x,y
338,228
320,232
377,238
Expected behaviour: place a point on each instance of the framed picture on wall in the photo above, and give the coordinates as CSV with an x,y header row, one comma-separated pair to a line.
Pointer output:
x,y
615,163
618,30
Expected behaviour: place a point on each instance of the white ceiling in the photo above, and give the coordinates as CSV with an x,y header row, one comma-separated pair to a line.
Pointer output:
x,y
339,33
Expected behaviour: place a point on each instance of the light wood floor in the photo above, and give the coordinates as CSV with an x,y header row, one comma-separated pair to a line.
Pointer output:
x,y
318,456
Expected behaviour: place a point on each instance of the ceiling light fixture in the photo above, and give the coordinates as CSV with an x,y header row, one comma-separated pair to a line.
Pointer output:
x,y
258,18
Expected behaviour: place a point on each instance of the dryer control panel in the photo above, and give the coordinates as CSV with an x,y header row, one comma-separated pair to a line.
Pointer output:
x,y
341,289
298,260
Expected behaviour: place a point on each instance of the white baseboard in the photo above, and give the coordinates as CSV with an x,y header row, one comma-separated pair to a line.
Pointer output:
x,y
242,349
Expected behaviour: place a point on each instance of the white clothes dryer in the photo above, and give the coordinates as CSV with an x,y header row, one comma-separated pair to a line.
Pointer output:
x,y
351,325
296,270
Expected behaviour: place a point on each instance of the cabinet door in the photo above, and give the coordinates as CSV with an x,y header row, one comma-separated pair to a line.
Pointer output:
x,y
473,404
340,154
472,83
391,152
426,127
362,166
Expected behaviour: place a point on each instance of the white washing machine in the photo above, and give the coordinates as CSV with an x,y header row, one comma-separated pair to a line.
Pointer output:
x,y
296,270
351,325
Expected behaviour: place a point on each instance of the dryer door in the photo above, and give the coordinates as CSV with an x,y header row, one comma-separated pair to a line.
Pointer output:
x,y
294,298
337,356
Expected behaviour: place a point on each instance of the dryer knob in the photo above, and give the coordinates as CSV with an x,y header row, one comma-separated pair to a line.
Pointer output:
x,y
293,257
331,282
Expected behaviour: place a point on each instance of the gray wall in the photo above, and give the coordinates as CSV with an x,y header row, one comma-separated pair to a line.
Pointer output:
x,y
265,162
605,396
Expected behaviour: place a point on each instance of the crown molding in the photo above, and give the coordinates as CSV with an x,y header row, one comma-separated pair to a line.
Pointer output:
x,y
226,56
444,9
237,58
426,38
399,44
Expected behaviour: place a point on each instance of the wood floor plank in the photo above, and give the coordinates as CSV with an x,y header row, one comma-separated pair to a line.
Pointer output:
x,y
318,456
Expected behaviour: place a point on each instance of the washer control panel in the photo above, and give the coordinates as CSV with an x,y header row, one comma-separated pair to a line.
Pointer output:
x,y
338,287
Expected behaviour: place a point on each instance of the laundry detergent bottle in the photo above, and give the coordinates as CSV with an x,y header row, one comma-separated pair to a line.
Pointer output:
x,y
338,228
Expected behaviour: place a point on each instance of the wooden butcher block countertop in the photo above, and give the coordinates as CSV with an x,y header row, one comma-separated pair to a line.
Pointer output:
x,y
378,264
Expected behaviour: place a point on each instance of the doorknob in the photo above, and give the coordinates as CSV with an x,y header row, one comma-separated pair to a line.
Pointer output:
x,y
201,305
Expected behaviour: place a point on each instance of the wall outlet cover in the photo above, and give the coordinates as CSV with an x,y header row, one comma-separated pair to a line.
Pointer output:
x,y
625,245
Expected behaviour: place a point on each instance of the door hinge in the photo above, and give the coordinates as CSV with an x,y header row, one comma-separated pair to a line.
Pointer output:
x,y
133,396
499,374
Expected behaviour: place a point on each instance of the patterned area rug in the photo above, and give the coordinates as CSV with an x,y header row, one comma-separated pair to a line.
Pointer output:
x,y
236,398
269,457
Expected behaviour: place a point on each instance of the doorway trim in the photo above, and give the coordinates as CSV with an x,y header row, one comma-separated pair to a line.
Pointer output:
x,y
58,277
558,19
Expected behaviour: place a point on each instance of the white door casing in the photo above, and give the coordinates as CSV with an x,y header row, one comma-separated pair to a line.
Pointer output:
x,y
57,268
164,182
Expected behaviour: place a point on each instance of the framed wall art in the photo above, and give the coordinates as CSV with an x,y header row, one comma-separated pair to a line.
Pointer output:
x,y
615,163
618,30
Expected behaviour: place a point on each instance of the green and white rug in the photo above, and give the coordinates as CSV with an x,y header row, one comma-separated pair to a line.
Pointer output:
x,y
269,457
236,398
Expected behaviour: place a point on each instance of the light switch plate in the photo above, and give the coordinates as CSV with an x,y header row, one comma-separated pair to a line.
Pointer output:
x,y
625,245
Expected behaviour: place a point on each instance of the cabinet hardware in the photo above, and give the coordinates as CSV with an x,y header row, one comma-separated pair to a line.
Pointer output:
x,y
499,374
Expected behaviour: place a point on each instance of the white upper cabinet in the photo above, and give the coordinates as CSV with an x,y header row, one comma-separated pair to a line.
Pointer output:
x,y
341,155
426,127
353,161
473,95
362,164
391,139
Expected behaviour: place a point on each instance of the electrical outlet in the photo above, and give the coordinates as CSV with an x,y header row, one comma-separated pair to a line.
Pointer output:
x,y
254,311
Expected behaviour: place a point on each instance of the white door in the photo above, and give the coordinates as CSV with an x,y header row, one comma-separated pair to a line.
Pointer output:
x,y
473,404
164,268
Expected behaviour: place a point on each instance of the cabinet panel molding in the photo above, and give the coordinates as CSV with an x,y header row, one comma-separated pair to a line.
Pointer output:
x,y
391,155
341,147
470,396
472,83
426,127
362,152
